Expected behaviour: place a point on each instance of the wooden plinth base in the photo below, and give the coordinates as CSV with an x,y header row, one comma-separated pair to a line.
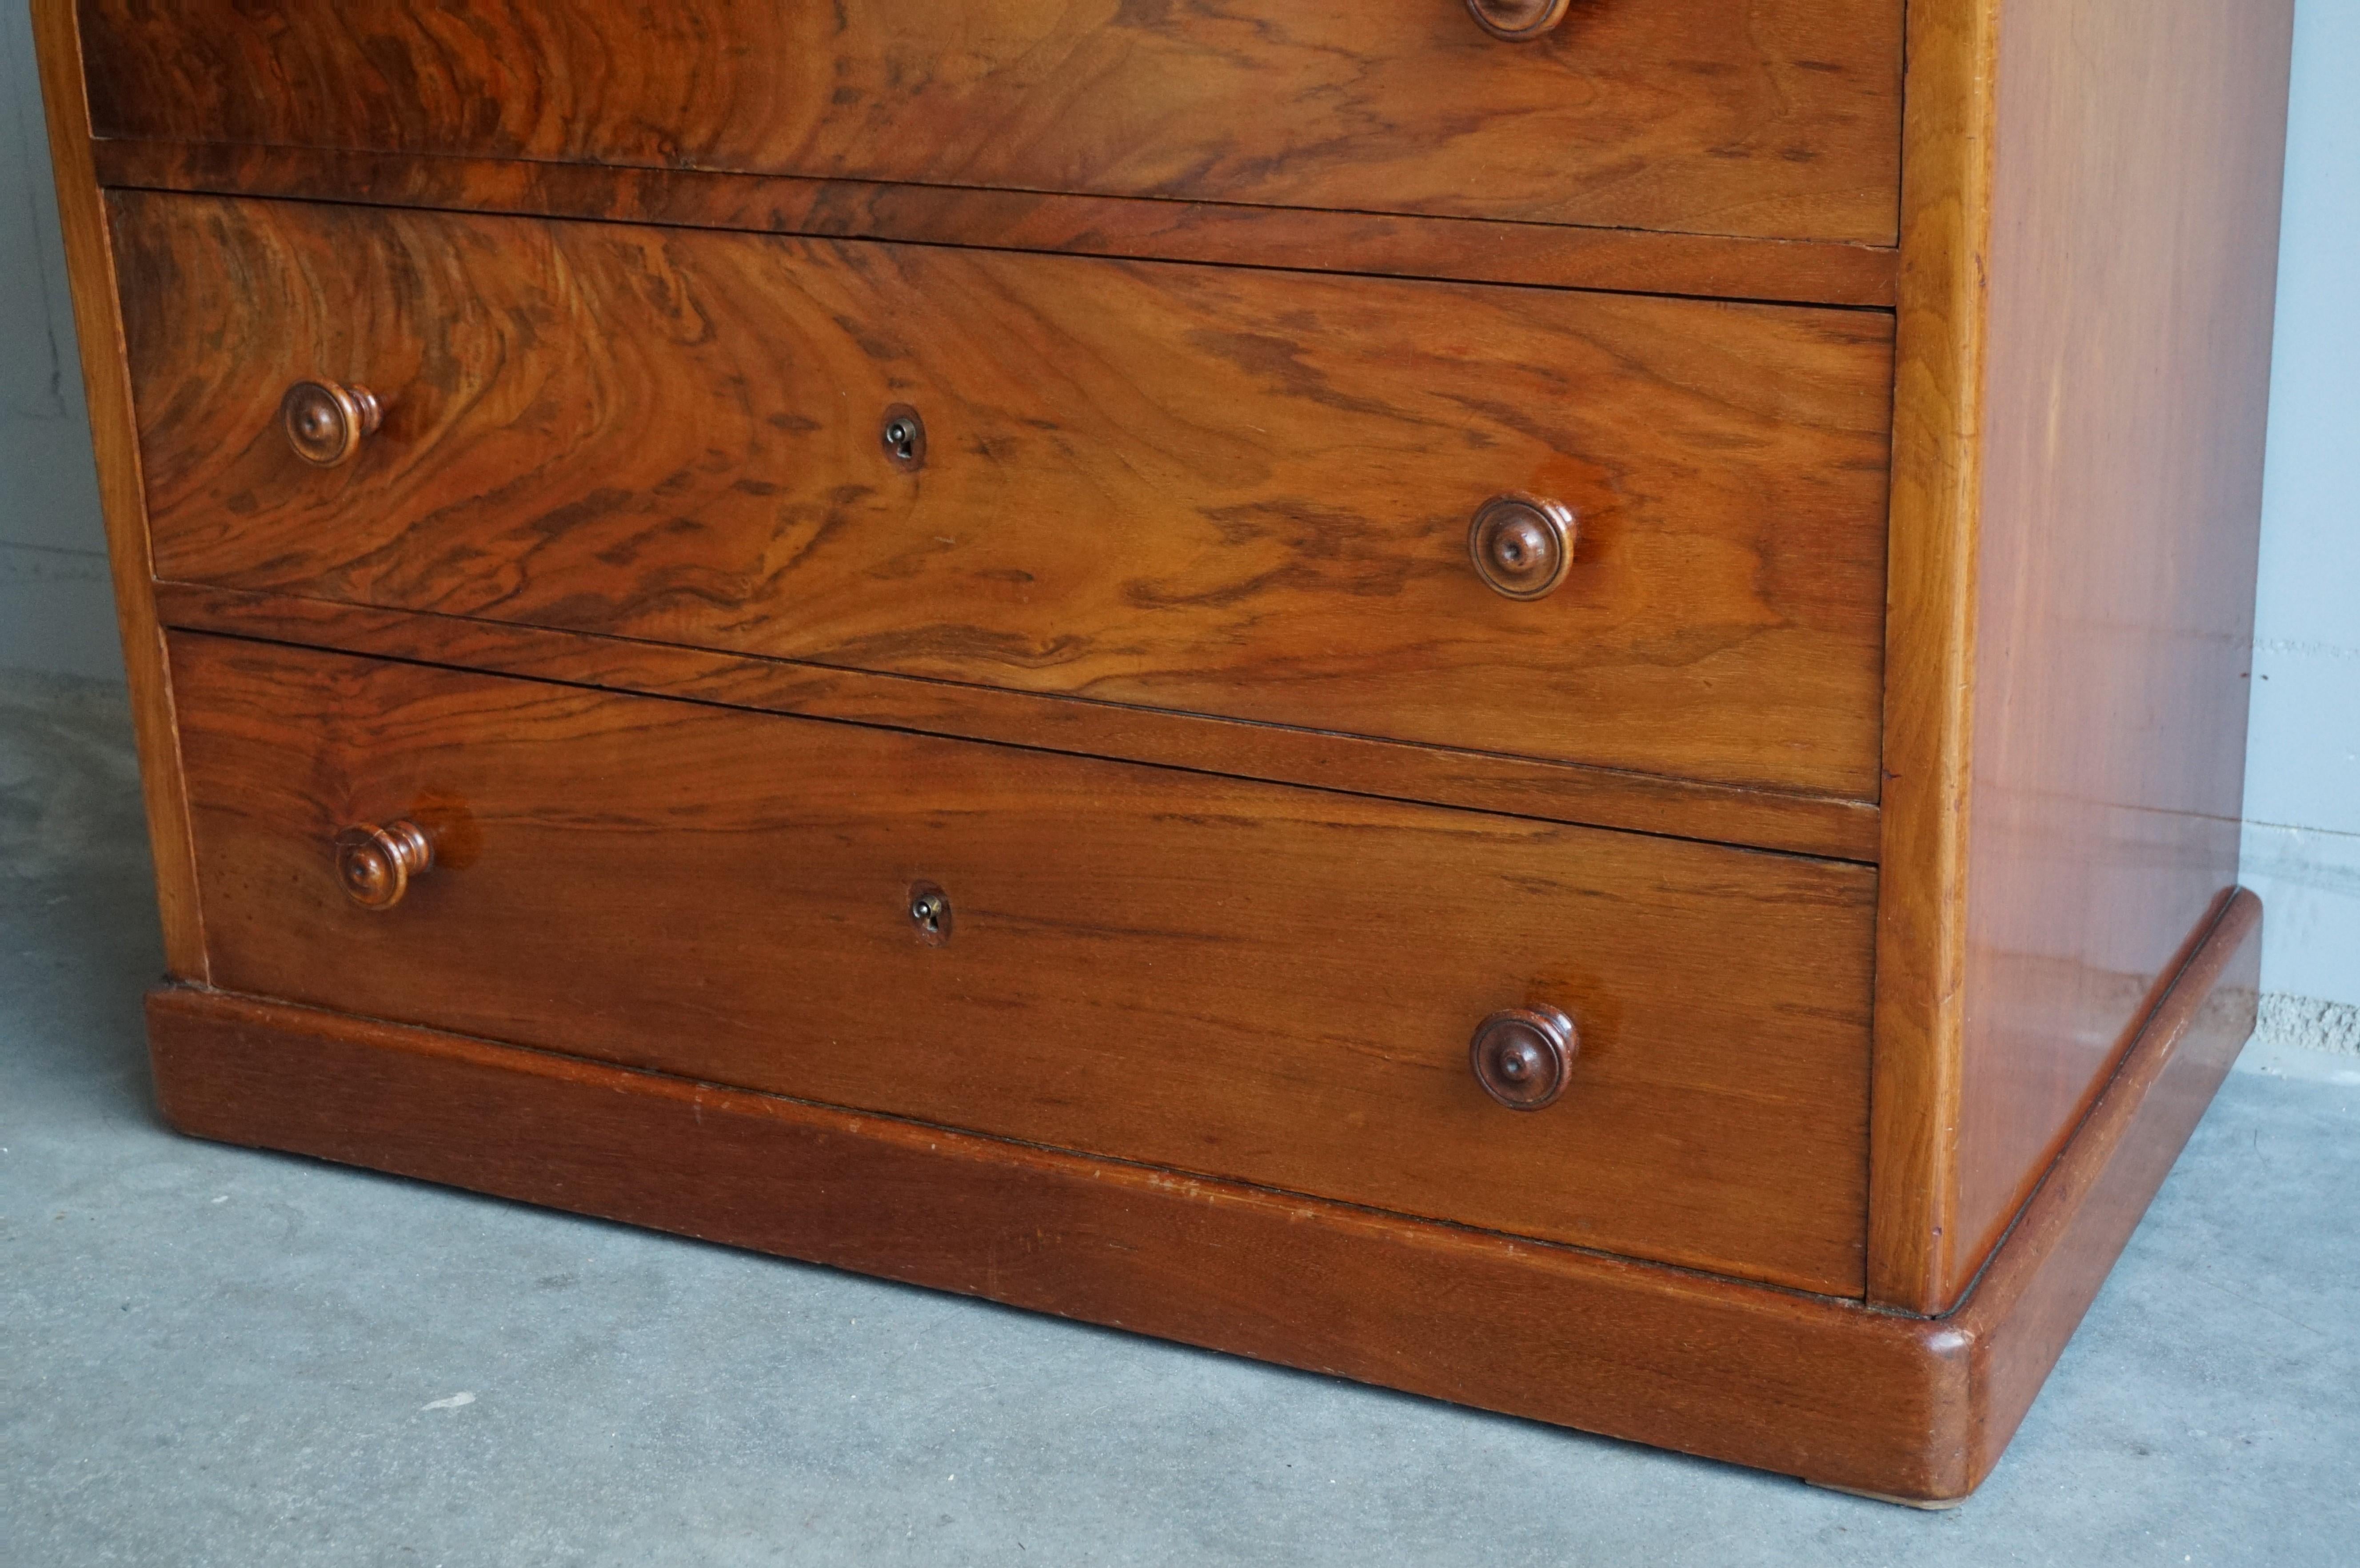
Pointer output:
x,y
1910,1408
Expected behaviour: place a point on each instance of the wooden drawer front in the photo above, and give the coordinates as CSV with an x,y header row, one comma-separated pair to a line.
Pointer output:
x,y
1765,118
1209,489
1238,979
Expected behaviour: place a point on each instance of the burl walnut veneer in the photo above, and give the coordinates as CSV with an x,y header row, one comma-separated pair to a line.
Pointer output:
x,y
1538,700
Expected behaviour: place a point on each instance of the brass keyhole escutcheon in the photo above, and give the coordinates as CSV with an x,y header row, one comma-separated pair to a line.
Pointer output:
x,y
930,913
903,437
1521,545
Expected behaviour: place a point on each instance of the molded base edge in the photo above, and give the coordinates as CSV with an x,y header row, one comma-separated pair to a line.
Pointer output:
x,y
1910,1408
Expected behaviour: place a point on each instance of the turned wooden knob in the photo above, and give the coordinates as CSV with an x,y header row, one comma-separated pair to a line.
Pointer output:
x,y
1521,545
1517,20
376,864
325,420
1524,1056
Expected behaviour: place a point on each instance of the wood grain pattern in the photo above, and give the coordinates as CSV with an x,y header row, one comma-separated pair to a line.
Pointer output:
x,y
1873,1401
1937,415
1213,490
1167,967
106,386
1595,797
1717,116
2083,342
1802,1384
1305,239
2133,267
1211,516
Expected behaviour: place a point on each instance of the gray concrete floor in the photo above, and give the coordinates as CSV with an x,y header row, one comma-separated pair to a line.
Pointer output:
x,y
208,1356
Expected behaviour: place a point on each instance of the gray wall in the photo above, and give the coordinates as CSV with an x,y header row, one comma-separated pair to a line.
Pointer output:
x,y
2302,839
2302,762
55,610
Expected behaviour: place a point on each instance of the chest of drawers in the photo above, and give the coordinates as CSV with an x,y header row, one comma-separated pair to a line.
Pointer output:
x,y
1538,700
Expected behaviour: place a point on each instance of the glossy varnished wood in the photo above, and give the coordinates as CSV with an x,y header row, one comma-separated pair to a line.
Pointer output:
x,y
2122,477
1824,826
1212,538
1929,648
106,386
1770,117
2078,447
1879,1402
2041,1278
1306,239
1184,970
1214,490
1802,1384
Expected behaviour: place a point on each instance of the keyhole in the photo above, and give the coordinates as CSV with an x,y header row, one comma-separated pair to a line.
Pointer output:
x,y
930,913
903,437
